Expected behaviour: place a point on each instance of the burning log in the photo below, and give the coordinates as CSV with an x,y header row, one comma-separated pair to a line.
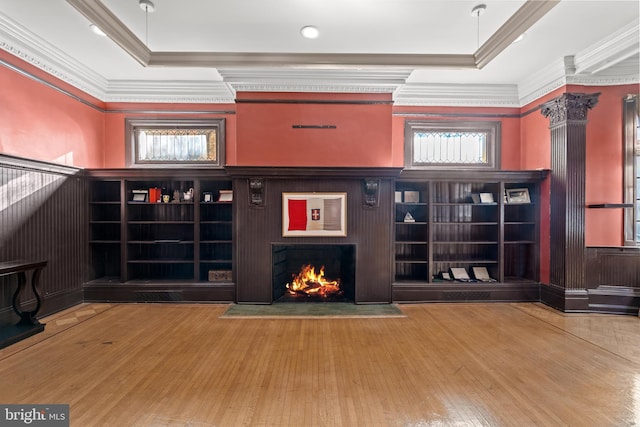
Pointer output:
x,y
307,282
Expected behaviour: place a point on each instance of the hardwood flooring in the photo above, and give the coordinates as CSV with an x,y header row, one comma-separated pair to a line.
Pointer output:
x,y
442,365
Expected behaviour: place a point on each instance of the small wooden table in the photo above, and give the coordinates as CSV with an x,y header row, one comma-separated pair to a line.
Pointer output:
x,y
28,324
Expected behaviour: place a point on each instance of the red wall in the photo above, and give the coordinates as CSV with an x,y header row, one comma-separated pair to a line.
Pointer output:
x,y
41,123
266,137
604,180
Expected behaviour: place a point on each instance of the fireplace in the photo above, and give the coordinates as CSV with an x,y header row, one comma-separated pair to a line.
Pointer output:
x,y
336,260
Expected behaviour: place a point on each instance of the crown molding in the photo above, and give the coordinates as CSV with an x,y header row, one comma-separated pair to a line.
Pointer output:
x,y
413,94
36,51
169,91
314,80
623,44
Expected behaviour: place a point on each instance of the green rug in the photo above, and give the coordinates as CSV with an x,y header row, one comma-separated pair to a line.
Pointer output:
x,y
312,310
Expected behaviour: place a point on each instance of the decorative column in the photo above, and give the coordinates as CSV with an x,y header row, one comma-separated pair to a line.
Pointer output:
x,y
568,117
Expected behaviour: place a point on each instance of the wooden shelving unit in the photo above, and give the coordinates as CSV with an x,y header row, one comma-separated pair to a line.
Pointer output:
x,y
144,250
452,230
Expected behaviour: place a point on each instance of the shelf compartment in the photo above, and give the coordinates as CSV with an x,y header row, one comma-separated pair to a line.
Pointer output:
x,y
214,212
160,270
411,232
412,271
104,231
217,251
461,192
160,212
465,213
104,192
160,252
411,251
152,231
419,212
216,231
106,211
520,261
519,232
520,212
458,232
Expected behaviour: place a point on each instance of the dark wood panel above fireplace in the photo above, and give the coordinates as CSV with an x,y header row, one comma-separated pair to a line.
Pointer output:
x,y
259,227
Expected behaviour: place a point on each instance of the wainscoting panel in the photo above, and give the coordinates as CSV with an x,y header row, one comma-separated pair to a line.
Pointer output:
x,y
613,279
43,217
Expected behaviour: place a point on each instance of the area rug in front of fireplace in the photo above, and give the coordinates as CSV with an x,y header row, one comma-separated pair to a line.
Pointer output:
x,y
321,310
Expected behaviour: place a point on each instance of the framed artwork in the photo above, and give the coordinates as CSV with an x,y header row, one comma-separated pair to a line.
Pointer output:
x,y
314,214
518,195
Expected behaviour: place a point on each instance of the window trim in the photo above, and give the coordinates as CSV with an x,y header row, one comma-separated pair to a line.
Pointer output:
x,y
131,124
491,128
630,135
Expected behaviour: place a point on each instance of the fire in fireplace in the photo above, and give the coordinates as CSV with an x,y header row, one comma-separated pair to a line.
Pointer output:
x,y
310,283
313,272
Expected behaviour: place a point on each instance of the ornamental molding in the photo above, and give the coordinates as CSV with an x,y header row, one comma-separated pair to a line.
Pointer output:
x,y
569,107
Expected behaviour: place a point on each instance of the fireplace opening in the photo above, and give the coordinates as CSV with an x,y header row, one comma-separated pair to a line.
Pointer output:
x,y
313,273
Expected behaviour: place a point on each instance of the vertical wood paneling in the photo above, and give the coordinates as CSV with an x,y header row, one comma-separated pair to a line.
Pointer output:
x,y
257,228
613,267
43,217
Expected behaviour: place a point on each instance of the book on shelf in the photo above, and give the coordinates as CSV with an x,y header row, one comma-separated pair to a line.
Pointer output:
x,y
411,196
486,198
460,274
481,274
225,196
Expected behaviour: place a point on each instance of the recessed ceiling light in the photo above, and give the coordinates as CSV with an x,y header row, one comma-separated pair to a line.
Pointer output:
x,y
520,38
309,32
97,30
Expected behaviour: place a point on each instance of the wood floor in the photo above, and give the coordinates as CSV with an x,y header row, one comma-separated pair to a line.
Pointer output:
x,y
442,365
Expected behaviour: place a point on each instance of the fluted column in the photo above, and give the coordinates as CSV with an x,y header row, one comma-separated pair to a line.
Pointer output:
x,y
568,121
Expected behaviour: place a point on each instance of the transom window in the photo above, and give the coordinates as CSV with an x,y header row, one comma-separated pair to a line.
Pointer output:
x,y
461,144
166,143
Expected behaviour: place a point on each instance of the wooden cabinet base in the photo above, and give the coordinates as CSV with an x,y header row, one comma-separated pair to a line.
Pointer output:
x,y
134,291
408,292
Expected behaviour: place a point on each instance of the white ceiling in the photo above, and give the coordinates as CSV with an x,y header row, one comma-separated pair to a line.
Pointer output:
x,y
425,52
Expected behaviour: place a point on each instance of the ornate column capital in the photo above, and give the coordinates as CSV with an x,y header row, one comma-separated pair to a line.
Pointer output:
x,y
569,106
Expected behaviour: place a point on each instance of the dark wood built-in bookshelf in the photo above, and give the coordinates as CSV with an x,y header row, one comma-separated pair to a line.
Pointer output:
x,y
184,250
450,226
166,250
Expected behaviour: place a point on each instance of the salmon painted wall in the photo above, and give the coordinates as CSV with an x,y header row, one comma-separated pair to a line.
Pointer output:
x,y
266,135
509,118
116,113
42,123
604,180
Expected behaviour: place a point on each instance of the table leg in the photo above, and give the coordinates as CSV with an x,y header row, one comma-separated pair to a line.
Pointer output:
x,y
27,317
